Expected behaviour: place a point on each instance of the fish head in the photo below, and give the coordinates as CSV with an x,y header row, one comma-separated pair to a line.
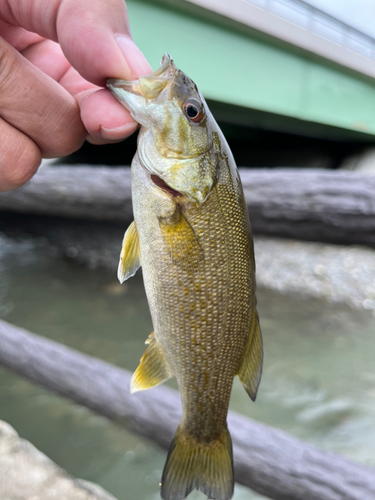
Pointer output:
x,y
175,143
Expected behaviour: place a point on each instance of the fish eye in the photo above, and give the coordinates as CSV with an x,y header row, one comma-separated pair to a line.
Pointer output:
x,y
193,110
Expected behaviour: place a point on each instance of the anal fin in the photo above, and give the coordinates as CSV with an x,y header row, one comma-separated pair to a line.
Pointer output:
x,y
153,368
130,253
251,367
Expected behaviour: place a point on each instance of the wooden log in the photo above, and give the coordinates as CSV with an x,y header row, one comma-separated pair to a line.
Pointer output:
x,y
314,205
266,460
83,192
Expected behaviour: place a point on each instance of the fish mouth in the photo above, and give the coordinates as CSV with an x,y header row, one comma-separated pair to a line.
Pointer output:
x,y
148,87
162,185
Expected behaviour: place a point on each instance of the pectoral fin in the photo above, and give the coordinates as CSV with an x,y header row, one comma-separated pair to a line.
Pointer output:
x,y
181,240
153,368
129,257
251,368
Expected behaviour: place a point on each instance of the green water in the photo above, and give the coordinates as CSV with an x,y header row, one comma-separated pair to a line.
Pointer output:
x,y
318,382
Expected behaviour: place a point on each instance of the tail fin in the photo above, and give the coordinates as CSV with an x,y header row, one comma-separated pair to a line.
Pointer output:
x,y
205,466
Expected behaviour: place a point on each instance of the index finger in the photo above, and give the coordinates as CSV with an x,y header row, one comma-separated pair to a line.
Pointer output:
x,y
94,35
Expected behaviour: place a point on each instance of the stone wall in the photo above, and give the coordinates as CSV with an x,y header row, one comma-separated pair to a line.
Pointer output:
x,y
27,474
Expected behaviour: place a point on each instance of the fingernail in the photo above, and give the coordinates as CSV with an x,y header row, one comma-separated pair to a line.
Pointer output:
x,y
137,62
117,133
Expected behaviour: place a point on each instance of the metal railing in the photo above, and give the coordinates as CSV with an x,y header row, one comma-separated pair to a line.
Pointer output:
x,y
321,23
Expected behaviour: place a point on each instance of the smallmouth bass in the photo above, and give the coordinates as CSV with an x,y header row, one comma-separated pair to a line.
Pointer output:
x,y
191,234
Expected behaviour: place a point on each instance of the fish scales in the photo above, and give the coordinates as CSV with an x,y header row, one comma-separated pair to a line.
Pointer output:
x,y
192,236
213,336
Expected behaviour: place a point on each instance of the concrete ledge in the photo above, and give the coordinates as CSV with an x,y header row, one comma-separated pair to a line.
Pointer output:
x,y
340,274
27,474
335,273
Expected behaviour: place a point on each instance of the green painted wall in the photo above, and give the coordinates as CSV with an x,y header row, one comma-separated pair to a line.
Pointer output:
x,y
237,68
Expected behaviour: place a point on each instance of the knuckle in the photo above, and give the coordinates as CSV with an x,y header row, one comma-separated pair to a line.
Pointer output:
x,y
67,135
8,66
22,165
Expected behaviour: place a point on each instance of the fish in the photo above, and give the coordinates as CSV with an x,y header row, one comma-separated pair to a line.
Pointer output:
x,y
191,234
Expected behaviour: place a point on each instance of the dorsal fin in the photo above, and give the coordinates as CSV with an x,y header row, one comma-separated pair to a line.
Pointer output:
x,y
251,367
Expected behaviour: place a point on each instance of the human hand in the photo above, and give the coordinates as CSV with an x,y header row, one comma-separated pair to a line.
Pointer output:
x,y
54,57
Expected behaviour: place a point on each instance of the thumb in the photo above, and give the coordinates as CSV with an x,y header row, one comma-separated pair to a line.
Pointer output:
x,y
95,37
